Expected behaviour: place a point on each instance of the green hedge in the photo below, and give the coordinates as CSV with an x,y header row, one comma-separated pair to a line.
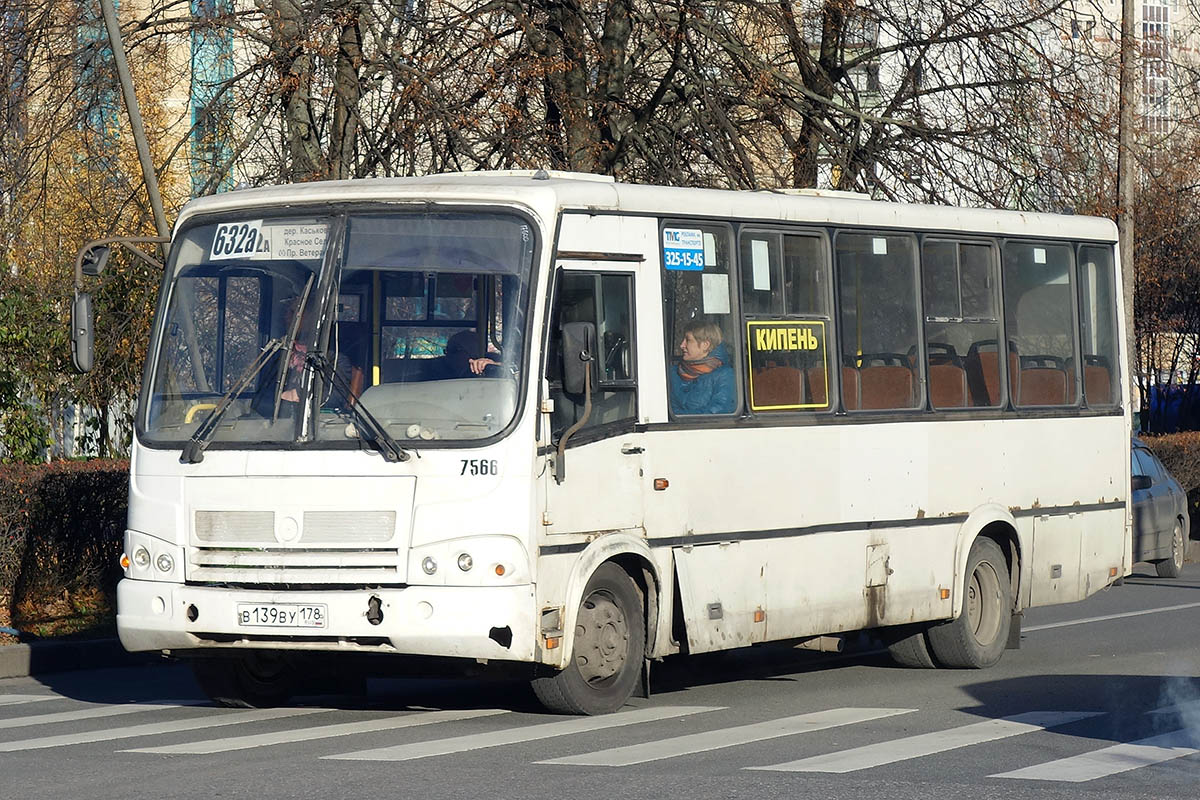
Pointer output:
x,y
1180,454
61,529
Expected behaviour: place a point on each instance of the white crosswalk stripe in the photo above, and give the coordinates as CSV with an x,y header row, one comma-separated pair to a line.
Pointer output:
x,y
1110,760
94,712
728,737
155,729
17,699
459,744
925,744
319,732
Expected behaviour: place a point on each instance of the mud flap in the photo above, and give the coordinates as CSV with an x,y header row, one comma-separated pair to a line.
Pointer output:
x,y
1014,632
643,689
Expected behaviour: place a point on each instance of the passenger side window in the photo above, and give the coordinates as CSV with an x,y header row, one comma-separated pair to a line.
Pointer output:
x,y
877,289
962,325
1039,318
785,298
605,301
699,323
1098,325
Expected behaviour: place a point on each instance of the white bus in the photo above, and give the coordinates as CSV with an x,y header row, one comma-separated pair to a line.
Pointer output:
x,y
554,420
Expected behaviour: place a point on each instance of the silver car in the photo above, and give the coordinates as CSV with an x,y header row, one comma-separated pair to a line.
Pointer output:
x,y
1160,514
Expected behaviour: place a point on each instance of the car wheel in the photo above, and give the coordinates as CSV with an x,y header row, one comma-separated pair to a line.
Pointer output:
x,y
1172,566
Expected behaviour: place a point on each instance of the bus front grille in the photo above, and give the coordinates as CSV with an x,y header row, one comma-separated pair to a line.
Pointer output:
x,y
294,565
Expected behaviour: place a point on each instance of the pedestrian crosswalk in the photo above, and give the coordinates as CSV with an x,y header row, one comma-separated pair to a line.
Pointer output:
x,y
782,744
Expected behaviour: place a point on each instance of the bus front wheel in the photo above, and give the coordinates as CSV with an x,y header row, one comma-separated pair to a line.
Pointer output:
x,y
977,638
253,680
609,647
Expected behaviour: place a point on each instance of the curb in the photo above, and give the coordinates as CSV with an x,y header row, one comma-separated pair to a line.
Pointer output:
x,y
39,658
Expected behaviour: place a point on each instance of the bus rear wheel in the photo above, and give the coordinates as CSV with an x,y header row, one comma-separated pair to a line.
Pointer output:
x,y
252,680
609,647
977,638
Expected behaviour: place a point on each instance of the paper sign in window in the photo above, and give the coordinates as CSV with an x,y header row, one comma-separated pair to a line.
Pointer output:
x,y
760,261
715,288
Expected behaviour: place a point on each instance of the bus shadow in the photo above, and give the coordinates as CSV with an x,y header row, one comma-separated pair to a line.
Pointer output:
x,y
1127,707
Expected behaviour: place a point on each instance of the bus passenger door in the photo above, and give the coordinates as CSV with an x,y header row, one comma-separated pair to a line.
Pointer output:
x,y
596,484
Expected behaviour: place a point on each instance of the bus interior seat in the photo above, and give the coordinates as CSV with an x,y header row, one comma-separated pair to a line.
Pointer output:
x,y
1043,381
1097,380
816,387
851,388
778,386
947,377
983,372
885,380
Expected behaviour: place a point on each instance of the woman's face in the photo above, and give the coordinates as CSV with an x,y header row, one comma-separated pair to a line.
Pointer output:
x,y
694,349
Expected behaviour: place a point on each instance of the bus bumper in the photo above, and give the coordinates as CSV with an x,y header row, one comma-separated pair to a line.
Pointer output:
x,y
453,621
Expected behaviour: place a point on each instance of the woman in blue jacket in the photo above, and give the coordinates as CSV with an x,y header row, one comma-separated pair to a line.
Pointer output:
x,y
703,382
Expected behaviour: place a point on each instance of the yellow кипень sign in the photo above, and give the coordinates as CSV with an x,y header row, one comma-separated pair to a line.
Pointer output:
x,y
790,339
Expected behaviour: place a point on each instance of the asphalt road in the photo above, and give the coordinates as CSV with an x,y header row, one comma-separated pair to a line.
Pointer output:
x,y
1101,701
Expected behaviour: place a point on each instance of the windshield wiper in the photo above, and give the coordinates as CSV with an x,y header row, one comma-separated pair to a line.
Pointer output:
x,y
193,448
370,428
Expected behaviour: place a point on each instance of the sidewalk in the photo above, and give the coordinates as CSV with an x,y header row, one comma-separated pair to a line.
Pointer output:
x,y
40,658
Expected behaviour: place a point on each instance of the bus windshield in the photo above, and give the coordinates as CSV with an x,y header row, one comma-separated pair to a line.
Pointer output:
x,y
418,318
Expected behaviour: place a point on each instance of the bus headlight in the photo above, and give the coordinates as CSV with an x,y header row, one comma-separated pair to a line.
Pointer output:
x,y
465,562
149,558
429,565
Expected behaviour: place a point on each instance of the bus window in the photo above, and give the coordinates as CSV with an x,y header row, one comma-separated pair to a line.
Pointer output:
x,y
961,324
877,291
1039,320
784,297
698,302
605,300
1098,324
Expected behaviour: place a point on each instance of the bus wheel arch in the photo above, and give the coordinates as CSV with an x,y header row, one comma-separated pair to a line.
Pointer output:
x,y
978,634
1001,529
607,647
610,621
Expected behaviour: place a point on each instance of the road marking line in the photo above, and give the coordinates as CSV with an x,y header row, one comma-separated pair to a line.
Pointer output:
x,y
460,744
728,737
1106,617
1110,760
17,699
155,729
926,744
96,712
320,732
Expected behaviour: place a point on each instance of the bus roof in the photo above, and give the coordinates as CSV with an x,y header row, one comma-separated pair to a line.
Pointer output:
x,y
548,192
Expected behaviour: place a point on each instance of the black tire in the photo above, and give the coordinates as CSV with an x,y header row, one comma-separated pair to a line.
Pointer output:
x,y
607,654
1172,566
977,638
255,680
908,646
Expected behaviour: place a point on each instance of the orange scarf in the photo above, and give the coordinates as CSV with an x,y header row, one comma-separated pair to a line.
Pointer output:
x,y
690,370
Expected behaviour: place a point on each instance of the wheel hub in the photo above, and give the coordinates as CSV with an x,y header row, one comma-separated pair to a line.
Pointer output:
x,y
601,638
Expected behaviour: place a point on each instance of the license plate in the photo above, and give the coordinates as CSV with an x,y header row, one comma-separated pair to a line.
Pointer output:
x,y
282,615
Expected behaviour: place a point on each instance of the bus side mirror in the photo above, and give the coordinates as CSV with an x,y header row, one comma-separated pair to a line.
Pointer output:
x,y
92,261
82,349
579,354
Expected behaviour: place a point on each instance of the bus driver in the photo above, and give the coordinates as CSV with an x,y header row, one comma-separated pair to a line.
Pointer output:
x,y
703,382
